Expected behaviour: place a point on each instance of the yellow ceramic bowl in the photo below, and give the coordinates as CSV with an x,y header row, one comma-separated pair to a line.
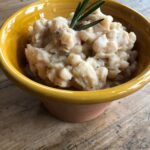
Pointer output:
x,y
13,39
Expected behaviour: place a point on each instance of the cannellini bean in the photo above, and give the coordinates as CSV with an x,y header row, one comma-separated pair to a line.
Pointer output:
x,y
65,74
123,65
87,36
93,62
83,56
74,59
107,22
113,73
100,44
123,55
85,76
112,35
77,49
37,54
132,36
51,74
114,61
111,47
58,66
41,70
116,25
31,57
43,56
123,40
102,73
61,83
58,24
62,20
68,39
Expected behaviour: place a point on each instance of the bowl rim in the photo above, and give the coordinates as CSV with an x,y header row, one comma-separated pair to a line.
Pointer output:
x,y
69,96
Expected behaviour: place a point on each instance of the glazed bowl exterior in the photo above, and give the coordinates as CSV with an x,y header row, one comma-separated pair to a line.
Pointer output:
x,y
75,106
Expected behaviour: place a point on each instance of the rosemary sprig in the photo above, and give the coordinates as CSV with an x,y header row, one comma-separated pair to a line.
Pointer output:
x,y
82,11
92,4
96,6
84,27
80,8
74,20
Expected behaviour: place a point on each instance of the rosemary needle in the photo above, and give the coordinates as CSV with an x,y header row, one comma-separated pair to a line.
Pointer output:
x,y
84,27
82,11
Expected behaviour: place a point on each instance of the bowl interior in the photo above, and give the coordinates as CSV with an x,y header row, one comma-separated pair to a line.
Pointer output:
x,y
14,35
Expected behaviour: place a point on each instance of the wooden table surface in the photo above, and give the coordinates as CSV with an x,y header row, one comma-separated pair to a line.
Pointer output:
x,y
25,124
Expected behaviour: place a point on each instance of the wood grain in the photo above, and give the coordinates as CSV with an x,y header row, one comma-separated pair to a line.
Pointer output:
x,y
26,125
